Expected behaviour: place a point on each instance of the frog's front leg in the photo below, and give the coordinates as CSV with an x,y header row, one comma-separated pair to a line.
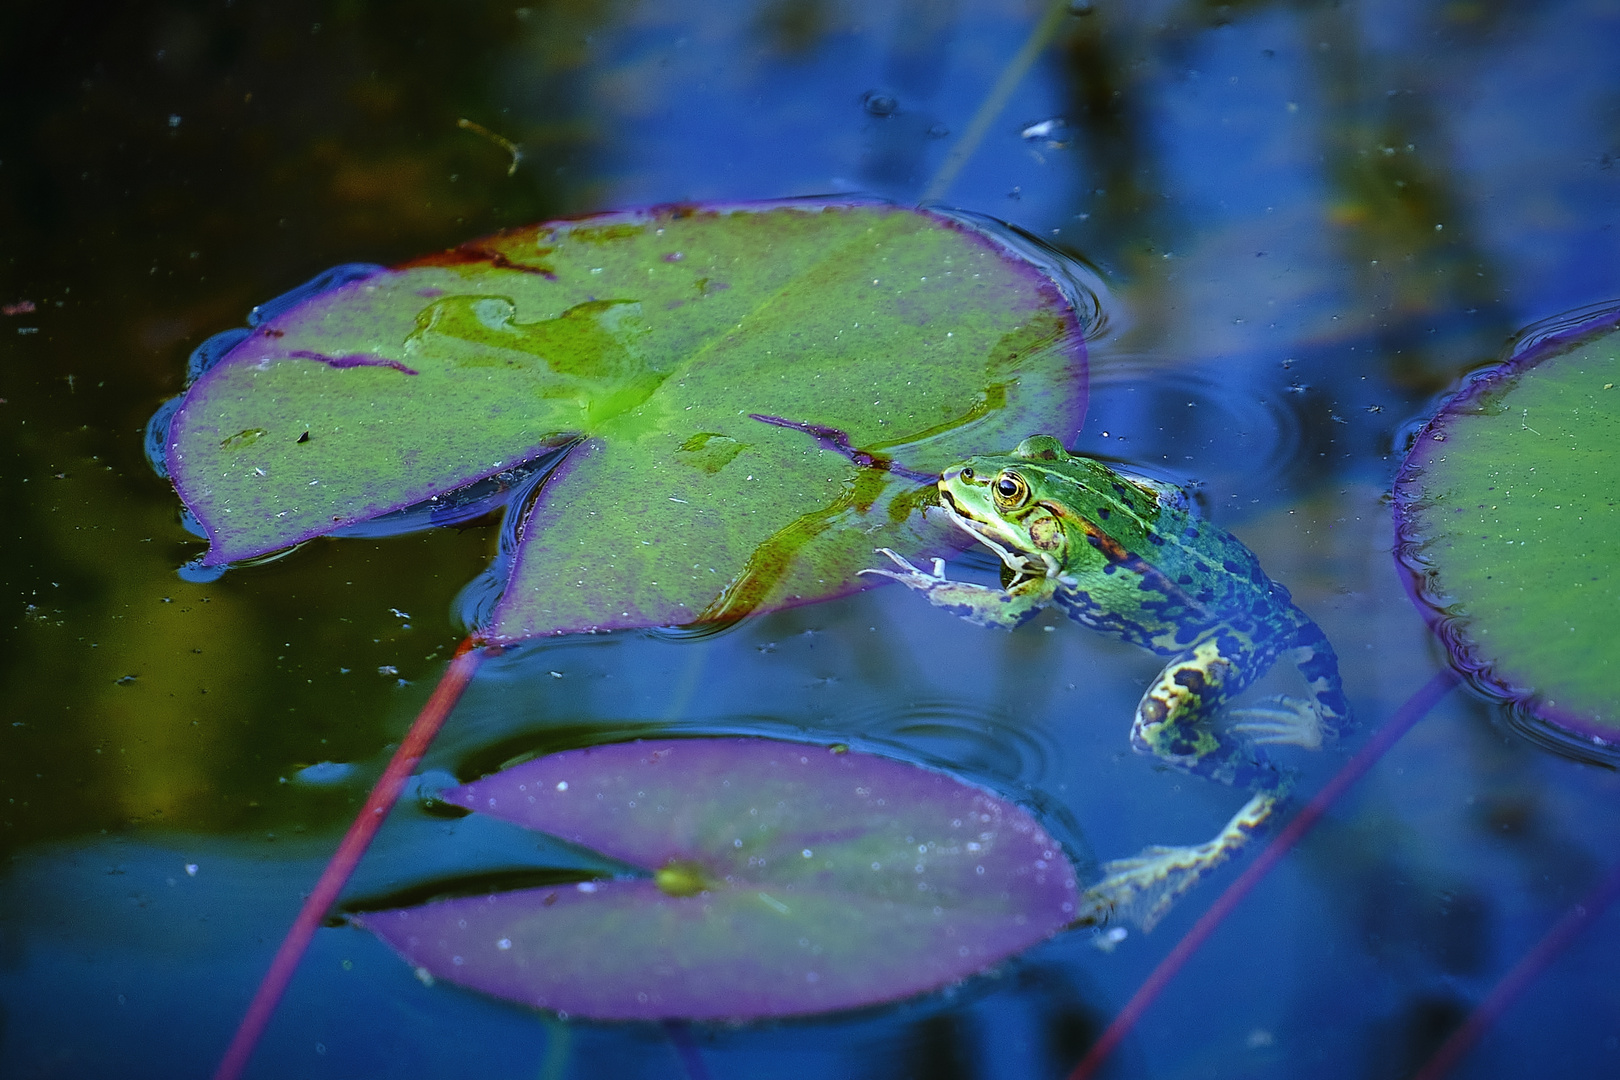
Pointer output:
x,y
979,604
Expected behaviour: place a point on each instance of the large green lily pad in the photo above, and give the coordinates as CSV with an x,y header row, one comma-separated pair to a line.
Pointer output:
x,y
1508,519
754,396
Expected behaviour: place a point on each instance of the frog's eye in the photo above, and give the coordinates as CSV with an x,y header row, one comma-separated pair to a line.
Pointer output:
x,y
967,472
1011,489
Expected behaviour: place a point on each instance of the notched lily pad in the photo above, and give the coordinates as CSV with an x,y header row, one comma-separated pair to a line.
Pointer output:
x,y
1508,530
784,879
689,356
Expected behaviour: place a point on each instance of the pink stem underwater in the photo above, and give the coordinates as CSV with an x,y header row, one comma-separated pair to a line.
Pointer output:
x,y
1413,710
341,867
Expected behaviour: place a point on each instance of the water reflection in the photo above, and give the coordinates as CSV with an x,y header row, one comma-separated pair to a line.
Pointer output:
x,y
923,34
954,733
1193,422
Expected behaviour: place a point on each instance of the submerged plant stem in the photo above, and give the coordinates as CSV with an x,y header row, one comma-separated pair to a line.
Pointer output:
x,y
1414,709
995,101
341,868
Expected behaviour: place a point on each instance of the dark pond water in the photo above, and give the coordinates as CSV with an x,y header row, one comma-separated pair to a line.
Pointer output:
x,y
1312,217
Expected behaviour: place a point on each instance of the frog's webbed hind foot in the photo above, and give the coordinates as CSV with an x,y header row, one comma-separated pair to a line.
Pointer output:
x,y
1282,719
1142,889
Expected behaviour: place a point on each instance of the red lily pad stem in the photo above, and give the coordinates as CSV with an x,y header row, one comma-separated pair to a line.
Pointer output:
x,y
341,867
1534,962
1414,709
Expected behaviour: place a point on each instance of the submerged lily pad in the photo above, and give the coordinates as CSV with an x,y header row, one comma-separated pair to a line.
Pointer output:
x,y
785,879
753,397
1508,528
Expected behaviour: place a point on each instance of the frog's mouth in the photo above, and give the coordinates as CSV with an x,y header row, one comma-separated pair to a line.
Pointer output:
x,y
1024,565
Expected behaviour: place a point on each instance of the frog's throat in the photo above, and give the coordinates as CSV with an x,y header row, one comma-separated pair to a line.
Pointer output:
x,y
1024,565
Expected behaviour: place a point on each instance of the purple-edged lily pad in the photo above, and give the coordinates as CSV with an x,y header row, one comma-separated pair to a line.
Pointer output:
x,y
786,879
1508,522
754,397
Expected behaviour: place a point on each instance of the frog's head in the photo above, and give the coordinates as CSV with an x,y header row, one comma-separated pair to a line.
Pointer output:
x,y
1034,505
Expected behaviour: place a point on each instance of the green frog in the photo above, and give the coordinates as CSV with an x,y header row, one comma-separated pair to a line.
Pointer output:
x,y
1127,556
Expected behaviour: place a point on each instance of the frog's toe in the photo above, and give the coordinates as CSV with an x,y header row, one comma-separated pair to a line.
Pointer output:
x,y
1288,720
895,557
911,576
907,572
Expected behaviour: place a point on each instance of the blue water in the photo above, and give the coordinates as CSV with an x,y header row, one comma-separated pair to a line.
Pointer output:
x,y
1310,219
